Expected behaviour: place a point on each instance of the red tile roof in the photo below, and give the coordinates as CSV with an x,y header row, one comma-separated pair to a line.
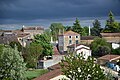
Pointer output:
x,y
55,72
69,33
8,39
73,45
82,48
33,28
110,57
22,34
88,37
110,34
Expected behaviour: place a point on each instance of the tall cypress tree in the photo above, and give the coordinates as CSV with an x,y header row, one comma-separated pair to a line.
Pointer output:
x,y
96,28
77,27
111,24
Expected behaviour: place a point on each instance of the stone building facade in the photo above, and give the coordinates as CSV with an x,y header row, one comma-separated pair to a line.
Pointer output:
x,y
66,39
33,30
111,37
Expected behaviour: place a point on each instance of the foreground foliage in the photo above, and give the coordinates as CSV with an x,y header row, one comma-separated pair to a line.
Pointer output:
x,y
12,65
76,68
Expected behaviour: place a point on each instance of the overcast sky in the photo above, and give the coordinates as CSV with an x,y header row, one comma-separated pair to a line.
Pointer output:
x,y
25,10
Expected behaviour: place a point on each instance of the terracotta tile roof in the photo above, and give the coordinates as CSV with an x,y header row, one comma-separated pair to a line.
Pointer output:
x,y
33,28
73,45
55,72
22,34
82,48
8,39
110,34
88,37
69,33
7,30
109,57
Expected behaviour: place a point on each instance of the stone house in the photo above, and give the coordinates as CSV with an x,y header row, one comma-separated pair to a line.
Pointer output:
x,y
87,39
111,37
66,39
33,30
23,38
108,58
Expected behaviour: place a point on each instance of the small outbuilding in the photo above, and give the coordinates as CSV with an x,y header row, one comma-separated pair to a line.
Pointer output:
x,y
108,58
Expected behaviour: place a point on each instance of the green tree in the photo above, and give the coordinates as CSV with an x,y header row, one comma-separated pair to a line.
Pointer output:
x,y
67,28
12,44
111,24
85,31
116,51
44,41
76,68
95,31
1,48
48,33
55,28
77,27
12,66
100,47
33,52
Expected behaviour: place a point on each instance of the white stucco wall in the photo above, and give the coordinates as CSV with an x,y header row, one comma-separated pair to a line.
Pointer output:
x,y
82,46
114,45
84,52
60,77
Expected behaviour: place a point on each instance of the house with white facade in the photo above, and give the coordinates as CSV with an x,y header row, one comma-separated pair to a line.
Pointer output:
x,y
79,49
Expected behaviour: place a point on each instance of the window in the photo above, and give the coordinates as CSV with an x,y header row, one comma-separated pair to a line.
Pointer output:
x,y
69,36
76,41
70,41
76,36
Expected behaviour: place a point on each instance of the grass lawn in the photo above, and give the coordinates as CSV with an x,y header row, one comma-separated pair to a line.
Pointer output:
x,y
35,73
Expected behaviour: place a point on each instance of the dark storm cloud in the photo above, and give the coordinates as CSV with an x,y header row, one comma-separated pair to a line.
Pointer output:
x,y
42,9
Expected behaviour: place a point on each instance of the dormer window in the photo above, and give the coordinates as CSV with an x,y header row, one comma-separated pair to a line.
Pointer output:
x,y
69,36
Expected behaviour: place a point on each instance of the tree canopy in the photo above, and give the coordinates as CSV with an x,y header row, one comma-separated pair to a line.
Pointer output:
x,y
33,52
85,31
111,24
77,27
55,28
100,47
96,30
67,28
76,68
39,48
44,41
12,44
12,66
